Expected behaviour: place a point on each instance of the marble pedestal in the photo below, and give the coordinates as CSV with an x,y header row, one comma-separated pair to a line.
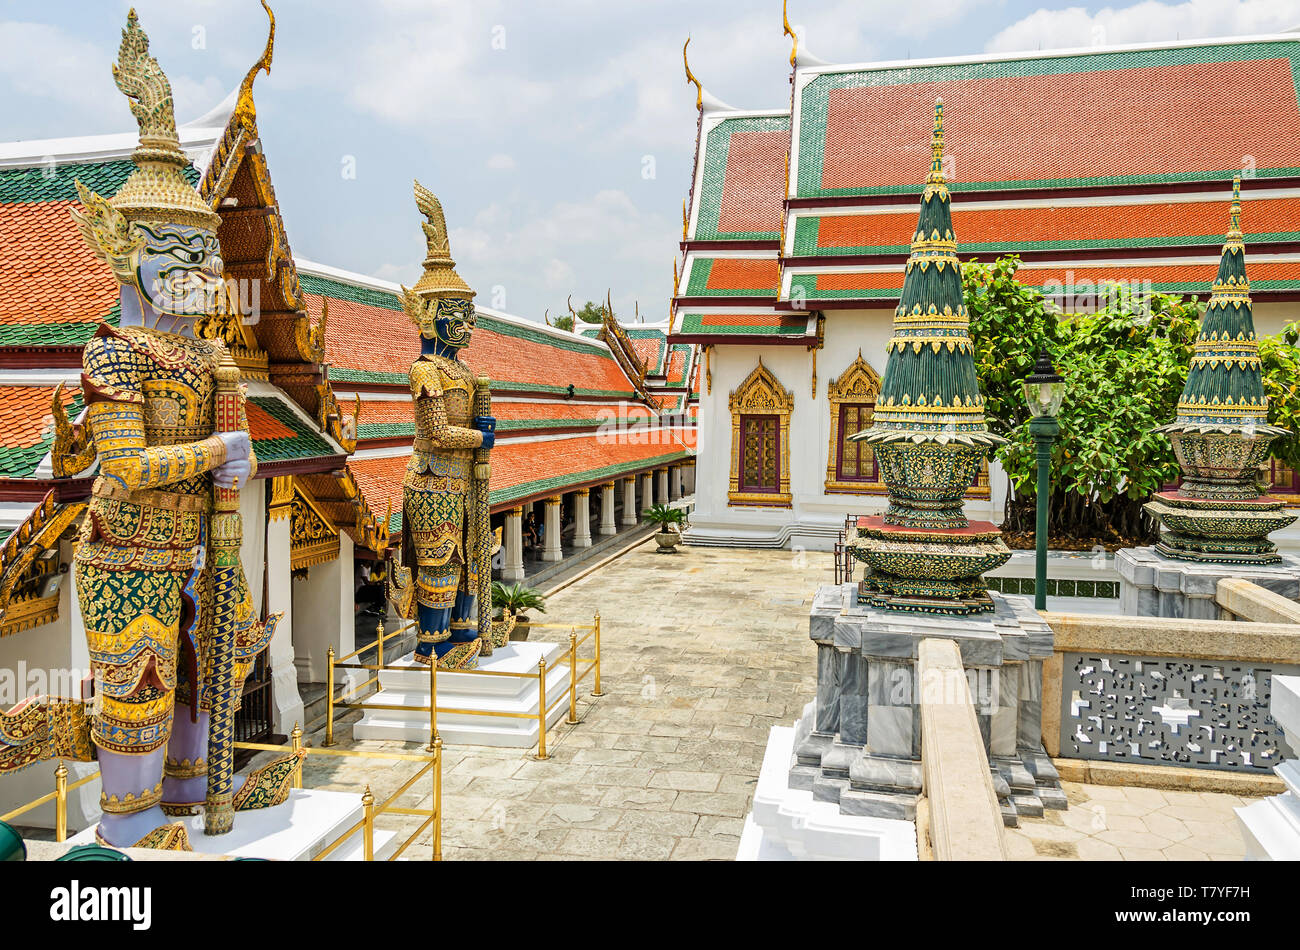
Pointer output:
x,y
859,744
1153,585
409,687
298,830
1271,827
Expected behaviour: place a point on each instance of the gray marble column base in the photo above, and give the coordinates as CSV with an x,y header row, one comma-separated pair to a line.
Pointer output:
x,y
858,744
1153,585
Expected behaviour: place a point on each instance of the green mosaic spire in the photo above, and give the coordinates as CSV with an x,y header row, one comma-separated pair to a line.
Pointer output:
x,y
1221,434
929,434
1224,389
930,384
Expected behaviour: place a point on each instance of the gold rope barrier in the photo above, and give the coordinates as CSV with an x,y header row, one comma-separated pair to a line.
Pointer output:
x,y
579,668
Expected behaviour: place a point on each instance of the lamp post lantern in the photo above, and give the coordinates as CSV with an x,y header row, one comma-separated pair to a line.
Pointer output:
x,y
1044,390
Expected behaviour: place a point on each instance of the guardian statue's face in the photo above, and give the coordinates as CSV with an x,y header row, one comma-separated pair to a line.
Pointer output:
x,y
454,322
178,270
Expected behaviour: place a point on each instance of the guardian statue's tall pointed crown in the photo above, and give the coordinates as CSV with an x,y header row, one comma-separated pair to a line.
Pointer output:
x,y
439,278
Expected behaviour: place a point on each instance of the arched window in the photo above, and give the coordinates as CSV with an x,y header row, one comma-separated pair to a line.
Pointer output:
x,y
851,466
760,441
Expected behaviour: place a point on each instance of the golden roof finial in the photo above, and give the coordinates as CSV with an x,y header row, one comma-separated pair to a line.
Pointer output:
x,y
244,107
685,220
936,146
439,278
1234,213
690,77
789,31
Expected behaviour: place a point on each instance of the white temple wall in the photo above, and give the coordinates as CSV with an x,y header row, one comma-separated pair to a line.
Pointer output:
x,y
323,605
815,517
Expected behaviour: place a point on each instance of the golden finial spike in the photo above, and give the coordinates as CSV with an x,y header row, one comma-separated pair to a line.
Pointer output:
x,y
690,77
675,277
789,31
571,310
936,145
685,219
244,108
1234,215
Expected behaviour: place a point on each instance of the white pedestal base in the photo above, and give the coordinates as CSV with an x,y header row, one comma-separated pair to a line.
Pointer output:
x,y
1271,827
298,830
788,825
410,687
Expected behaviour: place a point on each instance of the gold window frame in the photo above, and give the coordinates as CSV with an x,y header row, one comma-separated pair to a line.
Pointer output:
x,y
858,384
761,394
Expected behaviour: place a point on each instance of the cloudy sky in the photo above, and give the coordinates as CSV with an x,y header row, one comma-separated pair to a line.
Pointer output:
x,y
558,133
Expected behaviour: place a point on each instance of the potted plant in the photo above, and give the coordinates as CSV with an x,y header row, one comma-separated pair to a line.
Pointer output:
x,y
670,522
511,600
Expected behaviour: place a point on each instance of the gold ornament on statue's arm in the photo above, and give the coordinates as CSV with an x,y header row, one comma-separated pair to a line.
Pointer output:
x,y
73,451
108,233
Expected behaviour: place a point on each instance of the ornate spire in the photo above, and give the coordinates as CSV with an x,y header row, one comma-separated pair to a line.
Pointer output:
x,y
1221,434
439,278
929,433
1224,390
157,190
690,77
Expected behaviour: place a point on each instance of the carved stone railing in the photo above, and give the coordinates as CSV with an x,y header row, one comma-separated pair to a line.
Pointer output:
x,y
1146,700
1241,600
960,819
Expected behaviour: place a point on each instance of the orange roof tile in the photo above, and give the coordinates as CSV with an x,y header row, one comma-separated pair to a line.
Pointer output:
x,y
47,273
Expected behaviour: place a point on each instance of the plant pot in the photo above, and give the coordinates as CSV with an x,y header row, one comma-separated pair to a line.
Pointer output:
x,y
667,541
519,634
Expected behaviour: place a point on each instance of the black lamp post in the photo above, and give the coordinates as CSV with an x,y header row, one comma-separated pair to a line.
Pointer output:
x,y
1044,390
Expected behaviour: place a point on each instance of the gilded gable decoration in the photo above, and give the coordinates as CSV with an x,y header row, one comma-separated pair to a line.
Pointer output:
x,y
858,385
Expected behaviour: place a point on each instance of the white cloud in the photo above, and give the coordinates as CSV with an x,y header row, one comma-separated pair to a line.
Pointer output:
x,y
1149,21
44,62
501,162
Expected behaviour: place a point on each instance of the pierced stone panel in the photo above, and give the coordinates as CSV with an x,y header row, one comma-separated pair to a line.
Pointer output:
x,y
1163,711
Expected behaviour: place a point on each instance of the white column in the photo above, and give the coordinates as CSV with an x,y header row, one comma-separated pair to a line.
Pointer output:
x,y
607,526
551,547
513,570
286,701
629,501
674,482
582,518
647,491
688,478
661,489
324,602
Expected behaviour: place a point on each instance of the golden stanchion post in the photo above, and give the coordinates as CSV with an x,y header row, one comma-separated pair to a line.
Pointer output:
x,y
379,662
296,739
597,691
329,696
437,799
541,709
368,806
573,678
60,802
433,702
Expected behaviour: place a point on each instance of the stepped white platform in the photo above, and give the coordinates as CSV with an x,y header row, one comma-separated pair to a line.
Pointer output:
x,y
409,686
1271,827
788,825
298,830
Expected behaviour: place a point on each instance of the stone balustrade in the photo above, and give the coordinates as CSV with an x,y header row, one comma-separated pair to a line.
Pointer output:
x,y
1171,702
961,806
1239,599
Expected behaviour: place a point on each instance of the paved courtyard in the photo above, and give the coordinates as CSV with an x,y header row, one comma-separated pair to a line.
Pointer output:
x,y
705,651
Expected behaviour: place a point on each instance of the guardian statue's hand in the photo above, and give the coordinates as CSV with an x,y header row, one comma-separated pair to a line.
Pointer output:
x,y
488,426
236,469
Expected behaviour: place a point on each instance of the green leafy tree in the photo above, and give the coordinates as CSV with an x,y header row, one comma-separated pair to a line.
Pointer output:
x,y
591,313
1280,365
561,323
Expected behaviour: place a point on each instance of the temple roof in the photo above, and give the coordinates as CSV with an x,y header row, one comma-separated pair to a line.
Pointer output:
x,y
1149,114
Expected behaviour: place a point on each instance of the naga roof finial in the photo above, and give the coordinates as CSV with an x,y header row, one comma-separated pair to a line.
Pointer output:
x,y
690,77
789,31
244,107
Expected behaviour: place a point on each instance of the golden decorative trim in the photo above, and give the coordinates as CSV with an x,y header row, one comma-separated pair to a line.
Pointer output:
x,y
27,612
761,394
112,805
858,384
313,537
